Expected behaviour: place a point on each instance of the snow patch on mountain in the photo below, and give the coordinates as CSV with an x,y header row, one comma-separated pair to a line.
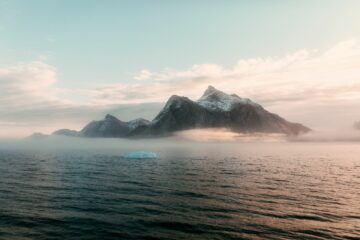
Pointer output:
x,y
137,122
214,99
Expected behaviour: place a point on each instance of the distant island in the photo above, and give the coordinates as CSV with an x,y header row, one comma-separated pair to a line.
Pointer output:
x,y
215,109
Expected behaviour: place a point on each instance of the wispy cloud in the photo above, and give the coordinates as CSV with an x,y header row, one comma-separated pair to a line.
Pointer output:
x,y
27,85
306,85
303,76
306,75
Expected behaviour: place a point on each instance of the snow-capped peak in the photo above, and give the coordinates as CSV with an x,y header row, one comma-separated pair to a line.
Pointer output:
x,y
214,99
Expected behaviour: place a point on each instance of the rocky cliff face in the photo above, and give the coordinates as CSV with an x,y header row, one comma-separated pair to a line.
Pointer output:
x,y
216,109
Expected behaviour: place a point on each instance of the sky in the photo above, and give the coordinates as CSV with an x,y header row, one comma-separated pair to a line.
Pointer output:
x,y
64,63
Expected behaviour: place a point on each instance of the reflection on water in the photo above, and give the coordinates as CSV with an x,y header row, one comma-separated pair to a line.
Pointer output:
x,y
193,191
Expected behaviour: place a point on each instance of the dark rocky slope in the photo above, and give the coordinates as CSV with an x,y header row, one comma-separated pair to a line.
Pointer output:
x,y
216,109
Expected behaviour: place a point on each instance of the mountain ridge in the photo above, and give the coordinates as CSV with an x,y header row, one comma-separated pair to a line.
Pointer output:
x,y
214,109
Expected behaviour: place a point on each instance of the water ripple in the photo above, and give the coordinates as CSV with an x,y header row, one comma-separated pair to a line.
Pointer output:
x,y
234,194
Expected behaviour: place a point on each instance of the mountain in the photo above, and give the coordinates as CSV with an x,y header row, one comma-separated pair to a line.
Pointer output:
x,y
111,127
215,109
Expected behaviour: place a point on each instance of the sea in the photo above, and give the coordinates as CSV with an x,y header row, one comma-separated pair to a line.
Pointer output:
x,y
67,189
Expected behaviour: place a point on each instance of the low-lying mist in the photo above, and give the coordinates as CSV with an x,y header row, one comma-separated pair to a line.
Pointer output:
x,y
183,138
225,135
329,136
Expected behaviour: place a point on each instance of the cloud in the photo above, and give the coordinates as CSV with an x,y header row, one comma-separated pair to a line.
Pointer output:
x,y
31,101
315,87
143,75
27,85
304,76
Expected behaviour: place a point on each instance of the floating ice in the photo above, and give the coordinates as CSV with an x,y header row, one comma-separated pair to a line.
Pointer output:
x,y
141,155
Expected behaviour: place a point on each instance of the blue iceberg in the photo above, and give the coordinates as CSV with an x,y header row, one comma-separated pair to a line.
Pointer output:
x,y
140,155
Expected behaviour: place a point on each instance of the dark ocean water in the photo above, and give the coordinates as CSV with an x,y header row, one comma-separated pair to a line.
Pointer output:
x,y
193,191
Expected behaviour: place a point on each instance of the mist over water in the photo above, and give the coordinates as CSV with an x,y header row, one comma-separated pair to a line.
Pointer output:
x,y
330,136
65,188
